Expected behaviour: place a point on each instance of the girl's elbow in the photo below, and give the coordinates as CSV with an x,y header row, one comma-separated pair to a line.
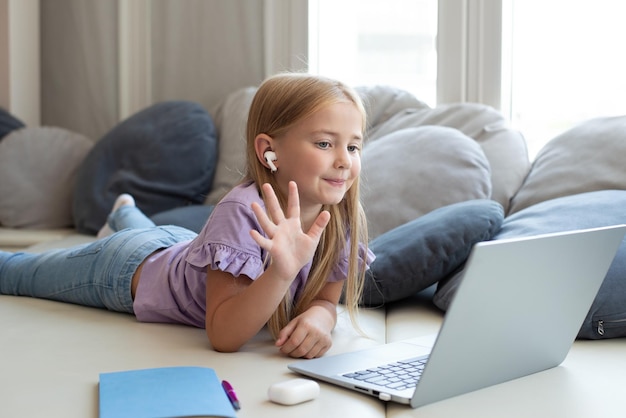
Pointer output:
x,y
223,346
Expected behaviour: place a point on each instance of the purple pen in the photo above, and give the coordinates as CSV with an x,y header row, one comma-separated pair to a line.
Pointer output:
x,y
232,396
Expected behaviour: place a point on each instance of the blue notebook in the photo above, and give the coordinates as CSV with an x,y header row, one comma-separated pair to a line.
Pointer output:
x,y
163,392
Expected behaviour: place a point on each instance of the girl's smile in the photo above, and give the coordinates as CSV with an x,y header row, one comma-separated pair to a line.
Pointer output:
x,y
336,182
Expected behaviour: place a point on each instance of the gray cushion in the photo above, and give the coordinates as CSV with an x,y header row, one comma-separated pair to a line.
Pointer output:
x,y
417,254
38,167
580,211
586,158
383,103
413,171
8,123
505,148
191,217
164,156
231,117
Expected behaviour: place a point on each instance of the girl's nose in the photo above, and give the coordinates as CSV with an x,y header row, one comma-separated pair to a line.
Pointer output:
x,y
343,159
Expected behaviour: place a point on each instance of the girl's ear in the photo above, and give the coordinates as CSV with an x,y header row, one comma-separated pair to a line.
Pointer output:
x,y
262,144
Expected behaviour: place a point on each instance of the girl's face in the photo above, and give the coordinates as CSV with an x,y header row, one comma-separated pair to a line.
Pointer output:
x,y
322,154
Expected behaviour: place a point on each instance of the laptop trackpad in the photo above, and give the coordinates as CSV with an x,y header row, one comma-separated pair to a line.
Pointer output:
x,y
426,341
370,357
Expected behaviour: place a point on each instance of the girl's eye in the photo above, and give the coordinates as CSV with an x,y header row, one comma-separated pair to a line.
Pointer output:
x,y
323,144
353,148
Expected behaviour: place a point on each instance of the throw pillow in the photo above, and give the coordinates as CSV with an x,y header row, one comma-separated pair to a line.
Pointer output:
x,y
384,102
416,255
580,211
230,119
413,171
164,156
505,148
191,217
38,167
8,123
586,158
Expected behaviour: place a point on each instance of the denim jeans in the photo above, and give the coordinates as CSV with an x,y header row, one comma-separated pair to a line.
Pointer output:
x,y
97,274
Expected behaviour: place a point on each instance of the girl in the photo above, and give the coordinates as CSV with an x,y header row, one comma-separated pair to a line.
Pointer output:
x,y
277,250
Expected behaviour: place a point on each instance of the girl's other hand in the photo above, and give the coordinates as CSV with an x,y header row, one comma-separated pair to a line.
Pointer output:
x,y
290,248
306,336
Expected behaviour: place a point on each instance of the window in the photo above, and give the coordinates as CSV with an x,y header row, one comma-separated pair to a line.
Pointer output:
x,y
547,65
567,65
367,42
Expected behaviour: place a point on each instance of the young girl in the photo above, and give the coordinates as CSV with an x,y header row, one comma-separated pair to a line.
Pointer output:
x,y
278,250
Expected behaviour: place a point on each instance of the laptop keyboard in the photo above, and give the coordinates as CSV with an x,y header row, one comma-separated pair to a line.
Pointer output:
x,y
398,375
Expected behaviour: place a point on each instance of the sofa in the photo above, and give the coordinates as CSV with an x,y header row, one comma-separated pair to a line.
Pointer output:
x,y
57,186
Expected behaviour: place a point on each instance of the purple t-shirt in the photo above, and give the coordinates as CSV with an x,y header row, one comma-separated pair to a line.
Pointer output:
x,y
172,285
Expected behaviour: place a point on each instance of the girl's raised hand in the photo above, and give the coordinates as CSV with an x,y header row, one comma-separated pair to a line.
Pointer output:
x,y
289,246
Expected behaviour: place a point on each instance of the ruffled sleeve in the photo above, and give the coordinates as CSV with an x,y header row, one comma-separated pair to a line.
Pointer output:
x,y
225,243
226,258
340,271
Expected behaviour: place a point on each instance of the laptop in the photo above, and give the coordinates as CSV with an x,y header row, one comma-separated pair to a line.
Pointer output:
x,y
517,311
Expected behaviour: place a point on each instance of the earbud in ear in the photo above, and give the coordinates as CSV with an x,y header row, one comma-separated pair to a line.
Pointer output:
x,y
270,157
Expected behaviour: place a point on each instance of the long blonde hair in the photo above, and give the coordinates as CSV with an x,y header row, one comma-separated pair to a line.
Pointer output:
x,y
280,102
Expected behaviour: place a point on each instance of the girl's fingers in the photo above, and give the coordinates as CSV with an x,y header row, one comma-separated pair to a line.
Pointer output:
x,y
273,206
283,334
263,242
320,223
271,202
293,201
265,222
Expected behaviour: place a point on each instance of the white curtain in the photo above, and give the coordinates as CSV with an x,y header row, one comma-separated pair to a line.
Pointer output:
x,y
200,51
79,65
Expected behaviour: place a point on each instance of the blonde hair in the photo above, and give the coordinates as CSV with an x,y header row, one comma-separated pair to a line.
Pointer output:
x,y
280,102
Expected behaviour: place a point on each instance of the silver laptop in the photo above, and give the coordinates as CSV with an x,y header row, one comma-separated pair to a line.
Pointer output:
x,y
516,312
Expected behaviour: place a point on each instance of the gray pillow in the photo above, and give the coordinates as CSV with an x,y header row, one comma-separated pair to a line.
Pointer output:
x,y
580,211
231,117
586,158
38,167
416,255
192,217
383,103
164,155
413,171
505,148
8,123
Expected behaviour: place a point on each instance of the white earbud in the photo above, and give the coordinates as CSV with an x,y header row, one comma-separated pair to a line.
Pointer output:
x,y
270,156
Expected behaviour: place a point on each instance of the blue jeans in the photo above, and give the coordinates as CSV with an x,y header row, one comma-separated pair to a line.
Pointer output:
x,y
97,274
